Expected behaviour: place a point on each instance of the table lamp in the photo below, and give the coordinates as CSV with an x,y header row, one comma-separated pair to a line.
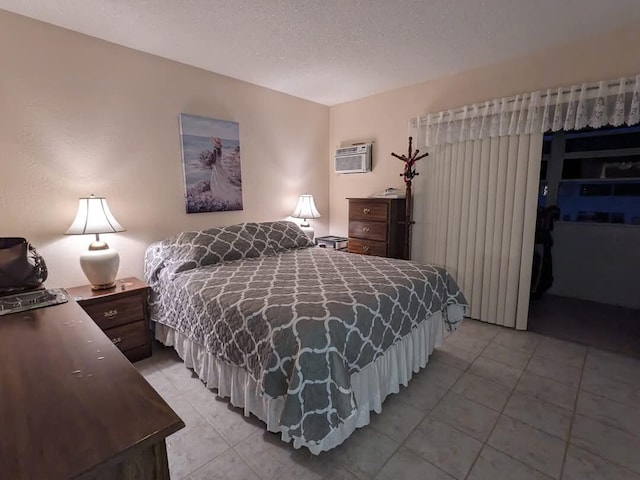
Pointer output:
x,y
100,263
305,209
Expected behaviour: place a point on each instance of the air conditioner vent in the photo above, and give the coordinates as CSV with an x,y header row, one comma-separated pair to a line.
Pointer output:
x,y
355,159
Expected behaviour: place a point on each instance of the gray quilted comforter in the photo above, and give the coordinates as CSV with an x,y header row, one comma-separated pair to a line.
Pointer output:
x,y
298,318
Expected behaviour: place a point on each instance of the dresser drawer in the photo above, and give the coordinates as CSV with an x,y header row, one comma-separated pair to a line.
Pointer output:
x,y
116,312
367,247
363,210
128,336
368,230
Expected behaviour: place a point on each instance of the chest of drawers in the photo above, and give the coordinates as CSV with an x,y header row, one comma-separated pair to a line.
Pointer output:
x,y
121,314
375,226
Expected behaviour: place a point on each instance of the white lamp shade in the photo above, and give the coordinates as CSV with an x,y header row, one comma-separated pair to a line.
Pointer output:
x,y
306,208
93,216
100,263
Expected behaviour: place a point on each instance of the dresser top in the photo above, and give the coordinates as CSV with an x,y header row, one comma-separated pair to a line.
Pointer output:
x,y
69,400
375,199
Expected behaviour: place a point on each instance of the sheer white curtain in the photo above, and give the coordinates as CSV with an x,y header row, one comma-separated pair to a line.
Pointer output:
x,y
615,102
479,219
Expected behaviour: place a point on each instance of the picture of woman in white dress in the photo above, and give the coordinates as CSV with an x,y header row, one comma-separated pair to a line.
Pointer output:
x,y
211,164
219,183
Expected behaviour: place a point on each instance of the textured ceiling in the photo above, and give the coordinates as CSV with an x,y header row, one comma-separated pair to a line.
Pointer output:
x,y
334,51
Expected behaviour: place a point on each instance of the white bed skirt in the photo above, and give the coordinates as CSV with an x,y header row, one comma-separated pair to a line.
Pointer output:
x,y
370,386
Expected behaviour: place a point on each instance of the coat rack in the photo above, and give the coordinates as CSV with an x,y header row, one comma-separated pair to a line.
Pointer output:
x,y
408,174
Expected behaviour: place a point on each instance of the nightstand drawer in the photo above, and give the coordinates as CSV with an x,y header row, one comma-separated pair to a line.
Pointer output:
x,y
369,230
128,336
116,312
364,210
367,247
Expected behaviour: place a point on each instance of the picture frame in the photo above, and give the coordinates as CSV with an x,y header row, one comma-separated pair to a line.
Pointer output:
x,y
211,164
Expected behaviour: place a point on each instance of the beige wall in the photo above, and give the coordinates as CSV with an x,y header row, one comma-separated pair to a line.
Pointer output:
x,y
79,115
384,117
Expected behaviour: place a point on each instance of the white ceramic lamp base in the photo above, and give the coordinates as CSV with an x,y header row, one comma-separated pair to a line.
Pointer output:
x,y
100,266
308,229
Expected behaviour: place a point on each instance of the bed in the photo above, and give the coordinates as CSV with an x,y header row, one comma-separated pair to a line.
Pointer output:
x,y
308,339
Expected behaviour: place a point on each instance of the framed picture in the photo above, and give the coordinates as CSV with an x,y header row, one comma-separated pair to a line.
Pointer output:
x,y
211,164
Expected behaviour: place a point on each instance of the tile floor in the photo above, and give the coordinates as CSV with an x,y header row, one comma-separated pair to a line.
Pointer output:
x,y
492,404
609,327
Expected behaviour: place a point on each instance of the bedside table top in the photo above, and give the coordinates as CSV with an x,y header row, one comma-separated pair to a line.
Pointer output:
x,y
131,285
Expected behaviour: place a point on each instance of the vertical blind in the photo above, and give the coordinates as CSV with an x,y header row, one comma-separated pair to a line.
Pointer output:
x,y
478,212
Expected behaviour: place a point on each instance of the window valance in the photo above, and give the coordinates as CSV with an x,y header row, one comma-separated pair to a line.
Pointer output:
x,y
573,108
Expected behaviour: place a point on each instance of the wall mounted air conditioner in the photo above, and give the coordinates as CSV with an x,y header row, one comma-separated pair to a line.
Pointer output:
x,y
355,159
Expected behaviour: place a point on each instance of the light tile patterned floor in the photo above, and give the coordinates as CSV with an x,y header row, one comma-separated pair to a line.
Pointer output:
x,y
492,404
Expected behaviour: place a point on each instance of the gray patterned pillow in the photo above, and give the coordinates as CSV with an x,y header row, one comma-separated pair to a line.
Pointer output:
x,y
194,249
285,236
153,262
207,247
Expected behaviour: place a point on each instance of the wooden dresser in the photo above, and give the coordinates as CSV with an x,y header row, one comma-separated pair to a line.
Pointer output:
x,y
375,226
121,312
72,406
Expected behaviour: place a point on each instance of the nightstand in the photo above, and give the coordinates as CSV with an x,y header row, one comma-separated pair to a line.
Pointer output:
x,y
121,313
331,241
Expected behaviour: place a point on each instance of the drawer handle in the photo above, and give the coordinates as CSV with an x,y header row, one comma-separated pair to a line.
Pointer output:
x,y
110,313
116,340
365,229
365,248
366,210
